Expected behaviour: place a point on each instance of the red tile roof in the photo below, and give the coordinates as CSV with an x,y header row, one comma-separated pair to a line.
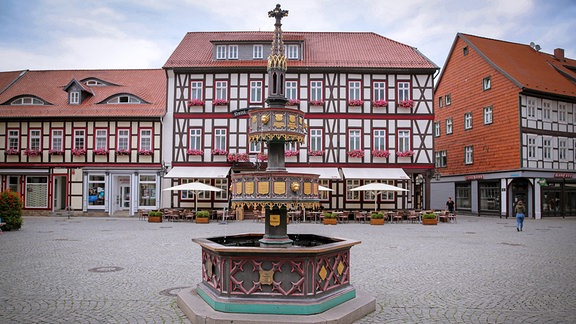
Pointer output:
x,y
148,85
528,68
320,49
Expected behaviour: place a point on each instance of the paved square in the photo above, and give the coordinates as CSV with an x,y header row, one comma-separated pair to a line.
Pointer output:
x,y
122,270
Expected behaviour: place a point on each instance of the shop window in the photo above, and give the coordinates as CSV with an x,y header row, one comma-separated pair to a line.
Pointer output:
x,y
463,196
36,192
147,190
96,189
489,196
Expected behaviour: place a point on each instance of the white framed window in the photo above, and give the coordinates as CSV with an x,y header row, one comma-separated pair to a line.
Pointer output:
x,y
404,140
220,52
532,147
195,142
27,101
255,147
487,115
448,99
74,97
79,139
101,139
13,139
440,102
124,99
316,91
145,139
196,90
468,120
222,184
257,52
220,139
440,159
469,154
437,129
350,194
256,91
354,90
547,148
57,140
354,139
486,83
562,149
221,90
233,52
290,146
379,89
531,108
546,110
123,139
562,113
379,140
292,52
291,90
147,190
34,140
449,128
316,140
404,91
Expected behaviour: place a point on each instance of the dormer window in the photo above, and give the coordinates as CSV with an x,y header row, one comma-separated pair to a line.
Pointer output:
x,y
124,99
27,101
220,52
257,52
74,97
292,52
233,52
94,83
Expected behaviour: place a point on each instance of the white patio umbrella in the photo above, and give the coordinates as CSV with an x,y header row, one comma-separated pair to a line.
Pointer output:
x,y
322,188
195,187
378,188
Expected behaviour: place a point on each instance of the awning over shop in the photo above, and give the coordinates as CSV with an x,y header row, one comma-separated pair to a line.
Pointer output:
x,y
325,173
375,173
198,172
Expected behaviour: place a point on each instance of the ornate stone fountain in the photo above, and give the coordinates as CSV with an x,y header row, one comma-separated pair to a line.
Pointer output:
x,y
275,273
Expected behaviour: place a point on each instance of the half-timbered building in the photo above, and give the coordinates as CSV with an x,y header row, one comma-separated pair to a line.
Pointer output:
x,y
504,129
82,140
368,102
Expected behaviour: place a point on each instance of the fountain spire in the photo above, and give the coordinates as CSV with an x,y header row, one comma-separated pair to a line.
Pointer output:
x,y
277,62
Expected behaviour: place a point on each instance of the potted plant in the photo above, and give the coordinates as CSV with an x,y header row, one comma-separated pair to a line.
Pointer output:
x,y
330,218
155,217
203,217
377,218
429,219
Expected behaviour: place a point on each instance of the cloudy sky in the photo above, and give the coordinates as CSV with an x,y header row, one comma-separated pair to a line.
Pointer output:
x,y
111,34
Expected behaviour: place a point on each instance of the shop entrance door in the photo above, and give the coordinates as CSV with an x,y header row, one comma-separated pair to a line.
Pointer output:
x,y
125,197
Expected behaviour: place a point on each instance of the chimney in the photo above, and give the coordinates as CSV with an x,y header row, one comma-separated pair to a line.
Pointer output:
x,y
559,54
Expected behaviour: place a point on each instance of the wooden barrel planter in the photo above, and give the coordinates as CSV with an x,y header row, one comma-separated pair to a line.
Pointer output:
x,y
203,217
376,221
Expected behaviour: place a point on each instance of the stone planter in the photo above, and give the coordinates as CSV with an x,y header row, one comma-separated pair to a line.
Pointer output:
x,y
432,221
376,221
202,220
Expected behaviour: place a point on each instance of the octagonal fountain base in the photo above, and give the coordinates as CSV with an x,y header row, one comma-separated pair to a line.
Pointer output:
x,y
310,279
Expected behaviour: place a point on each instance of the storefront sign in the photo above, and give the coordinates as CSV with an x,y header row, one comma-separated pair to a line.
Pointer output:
x,y
563,175
474,177
542,182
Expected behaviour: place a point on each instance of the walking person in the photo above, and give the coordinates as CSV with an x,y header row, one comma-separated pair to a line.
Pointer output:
x,y
520,211
450,205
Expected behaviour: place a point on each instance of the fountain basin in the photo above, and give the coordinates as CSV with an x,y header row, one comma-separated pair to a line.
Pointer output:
x,y
309,277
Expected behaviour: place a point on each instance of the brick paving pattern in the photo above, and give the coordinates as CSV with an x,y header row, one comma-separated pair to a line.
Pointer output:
x,y
122,270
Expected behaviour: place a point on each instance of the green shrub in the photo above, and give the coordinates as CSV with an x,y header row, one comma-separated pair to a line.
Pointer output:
x,y
155,213
203,214
10,210
329,215
378,215
429,216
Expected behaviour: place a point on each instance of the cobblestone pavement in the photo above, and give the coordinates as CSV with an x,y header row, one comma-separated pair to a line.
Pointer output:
x,y
122,270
